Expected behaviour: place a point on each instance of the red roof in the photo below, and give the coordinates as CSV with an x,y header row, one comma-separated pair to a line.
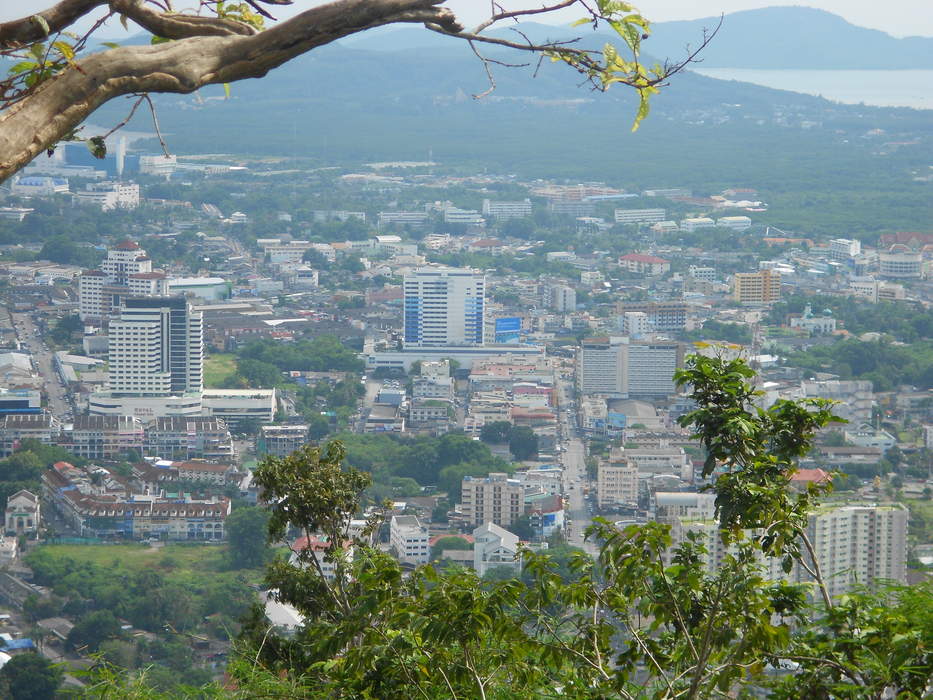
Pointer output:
x,y
486,243
467,538
817,476
638,257
126,245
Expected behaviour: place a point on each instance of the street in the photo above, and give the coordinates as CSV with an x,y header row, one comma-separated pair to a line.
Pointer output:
x,y
574,457
42,357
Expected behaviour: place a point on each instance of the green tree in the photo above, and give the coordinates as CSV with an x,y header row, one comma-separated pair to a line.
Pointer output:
x,y
92,629
30,677
246,537
496,432
523,443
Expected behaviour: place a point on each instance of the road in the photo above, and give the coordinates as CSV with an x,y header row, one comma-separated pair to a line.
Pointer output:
x,y
59,399
574,462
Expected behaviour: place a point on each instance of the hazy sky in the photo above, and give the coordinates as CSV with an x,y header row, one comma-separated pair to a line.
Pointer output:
x,y
897,17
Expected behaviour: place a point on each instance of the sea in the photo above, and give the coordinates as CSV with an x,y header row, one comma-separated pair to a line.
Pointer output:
x,y
880,88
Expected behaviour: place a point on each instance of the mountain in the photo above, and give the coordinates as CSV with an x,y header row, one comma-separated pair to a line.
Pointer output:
x,y
767,38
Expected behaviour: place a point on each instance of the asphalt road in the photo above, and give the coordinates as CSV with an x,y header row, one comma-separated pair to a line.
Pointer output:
x,y
58,396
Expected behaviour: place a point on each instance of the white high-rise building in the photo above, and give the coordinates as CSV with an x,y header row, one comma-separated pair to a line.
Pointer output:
x,y
620,368
410,539
125,272
156,349
444,307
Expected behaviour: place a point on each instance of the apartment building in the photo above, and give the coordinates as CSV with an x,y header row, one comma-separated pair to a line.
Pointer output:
x,y
125,272
663,316
641,264
501,211
104,437
639,216
616,481
496,498
762,287
189,437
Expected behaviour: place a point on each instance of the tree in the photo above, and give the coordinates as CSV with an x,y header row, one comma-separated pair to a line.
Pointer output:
x,y
523,443
30,677
497,432
57,83
92,629
648,619
246,537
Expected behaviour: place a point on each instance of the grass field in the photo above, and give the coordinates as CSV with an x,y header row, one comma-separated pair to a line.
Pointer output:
x,y
217,368
136,557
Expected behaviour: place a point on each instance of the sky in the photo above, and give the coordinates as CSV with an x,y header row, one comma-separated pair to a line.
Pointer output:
x,y
896,17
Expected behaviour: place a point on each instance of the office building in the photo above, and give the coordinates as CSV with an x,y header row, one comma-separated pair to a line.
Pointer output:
x,y
411,219
125,272
409,538
444,307
616,481
663,316
492,499
762,287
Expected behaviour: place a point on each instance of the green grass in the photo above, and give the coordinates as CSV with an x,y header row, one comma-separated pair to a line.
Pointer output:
x,y
136,557
217,368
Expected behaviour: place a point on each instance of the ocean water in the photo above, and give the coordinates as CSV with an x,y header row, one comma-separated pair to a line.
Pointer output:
x,y
881,88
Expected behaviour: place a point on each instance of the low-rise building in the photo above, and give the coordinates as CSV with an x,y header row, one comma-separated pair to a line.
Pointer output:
x,y
43,427
23,515
189,437
104,437
642,264
494,546
616,481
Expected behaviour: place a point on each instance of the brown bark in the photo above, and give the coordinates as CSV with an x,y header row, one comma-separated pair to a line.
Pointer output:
x,y
56,107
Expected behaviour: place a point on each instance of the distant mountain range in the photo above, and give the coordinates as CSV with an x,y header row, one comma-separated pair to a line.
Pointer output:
x,y
768,38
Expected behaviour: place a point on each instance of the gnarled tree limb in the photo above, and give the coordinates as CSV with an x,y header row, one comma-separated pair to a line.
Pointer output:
x,y
63,102
177,25
28,29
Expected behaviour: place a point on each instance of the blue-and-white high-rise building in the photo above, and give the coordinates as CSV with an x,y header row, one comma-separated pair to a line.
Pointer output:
x,y
444,307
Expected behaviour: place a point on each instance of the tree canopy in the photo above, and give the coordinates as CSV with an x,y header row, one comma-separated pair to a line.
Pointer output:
x,y
59,76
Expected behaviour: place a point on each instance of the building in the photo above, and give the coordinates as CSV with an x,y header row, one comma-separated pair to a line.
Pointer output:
x,y
601,367
707,274
109,195
20,401
15,428
671,506
814,325
560,298
281,440
23,514
865,435
650,368
443,307
635,324
641,264
104,437
639,216
156,349
189,437
95,504
492,499
205,289
159,164
844,249
876,290
410,540
762,287
411,219
494,546
38,186
240,408
464,217
663,316
696,223
501,211
616,481
858,545
125,272
661,460
901,265
318,546
854,397
736,223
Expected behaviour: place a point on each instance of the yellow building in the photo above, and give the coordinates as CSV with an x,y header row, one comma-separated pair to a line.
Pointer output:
x,y
762,287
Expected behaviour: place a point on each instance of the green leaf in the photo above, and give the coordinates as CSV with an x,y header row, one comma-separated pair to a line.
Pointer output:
x,y
97,147
40,20
110,44
227,90
65,49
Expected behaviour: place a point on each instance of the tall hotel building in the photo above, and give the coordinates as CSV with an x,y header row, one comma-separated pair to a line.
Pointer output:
x,y
444,308
156,349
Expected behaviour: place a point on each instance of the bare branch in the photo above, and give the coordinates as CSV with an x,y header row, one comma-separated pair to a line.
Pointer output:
x,y
178,26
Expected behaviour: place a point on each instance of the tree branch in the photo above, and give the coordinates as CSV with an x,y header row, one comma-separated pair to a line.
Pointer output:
x,y
60,104
172,25
28,29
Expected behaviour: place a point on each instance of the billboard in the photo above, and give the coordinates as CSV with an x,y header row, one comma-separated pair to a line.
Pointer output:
x,y
508,330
